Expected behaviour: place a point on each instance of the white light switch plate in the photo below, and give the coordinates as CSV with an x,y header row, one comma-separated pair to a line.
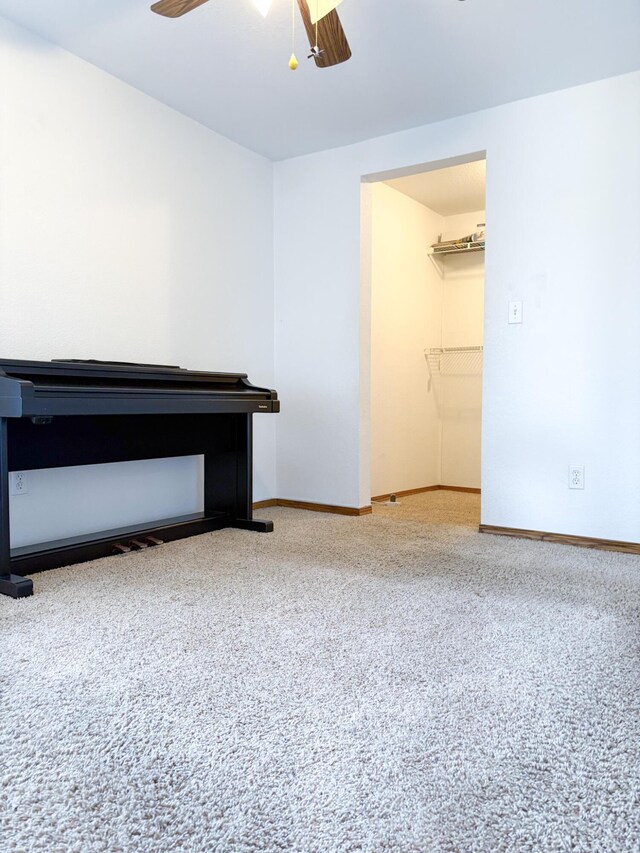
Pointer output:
x,y
515,312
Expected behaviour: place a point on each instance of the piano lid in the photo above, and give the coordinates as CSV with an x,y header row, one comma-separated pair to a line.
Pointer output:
x,y
85,368
113,363
48,388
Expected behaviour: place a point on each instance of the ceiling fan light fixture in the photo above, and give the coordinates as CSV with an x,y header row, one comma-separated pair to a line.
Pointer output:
x,y
262,6
320,8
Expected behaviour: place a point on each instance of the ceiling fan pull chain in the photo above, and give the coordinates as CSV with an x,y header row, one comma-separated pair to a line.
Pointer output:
x,y
293,62
316,24
315,49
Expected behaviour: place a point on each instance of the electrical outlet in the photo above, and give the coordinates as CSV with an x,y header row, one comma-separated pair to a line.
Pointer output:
x,y
576,476
515,312
19,483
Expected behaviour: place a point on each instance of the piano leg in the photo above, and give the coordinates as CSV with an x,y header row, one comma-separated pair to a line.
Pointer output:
x,y
228,478
14,585
245,484
257,524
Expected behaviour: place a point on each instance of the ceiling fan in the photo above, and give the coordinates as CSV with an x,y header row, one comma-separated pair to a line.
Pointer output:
x,y
329,45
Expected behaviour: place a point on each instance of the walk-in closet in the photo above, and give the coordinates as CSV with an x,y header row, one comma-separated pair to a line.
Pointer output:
x,y
428,238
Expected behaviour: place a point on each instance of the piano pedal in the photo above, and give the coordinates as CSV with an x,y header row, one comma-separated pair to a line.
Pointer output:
x,y
119,548
138,545
153,540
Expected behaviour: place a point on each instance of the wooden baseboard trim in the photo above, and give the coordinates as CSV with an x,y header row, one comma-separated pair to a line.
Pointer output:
x,y
313,507
437,488
406,492
363,510
563,539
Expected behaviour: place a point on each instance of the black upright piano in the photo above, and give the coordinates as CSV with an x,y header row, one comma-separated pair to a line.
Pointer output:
x,y
71,412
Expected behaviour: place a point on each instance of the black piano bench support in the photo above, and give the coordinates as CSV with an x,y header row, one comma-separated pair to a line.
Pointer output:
x,y
15,586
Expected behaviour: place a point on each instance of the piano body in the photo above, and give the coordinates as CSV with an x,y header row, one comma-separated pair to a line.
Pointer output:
x,y
63,413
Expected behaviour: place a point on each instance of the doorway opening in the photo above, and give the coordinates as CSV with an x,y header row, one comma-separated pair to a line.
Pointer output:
x,y
427,249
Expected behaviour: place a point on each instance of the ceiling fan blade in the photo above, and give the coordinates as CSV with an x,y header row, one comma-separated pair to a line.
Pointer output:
x,y
175,8
331,38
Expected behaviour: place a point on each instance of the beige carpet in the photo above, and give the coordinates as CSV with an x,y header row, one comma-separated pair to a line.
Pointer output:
x,y
373,684
441,507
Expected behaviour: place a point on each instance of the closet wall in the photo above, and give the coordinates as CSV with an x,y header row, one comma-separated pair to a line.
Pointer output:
x,y
461,380
406,308
425,414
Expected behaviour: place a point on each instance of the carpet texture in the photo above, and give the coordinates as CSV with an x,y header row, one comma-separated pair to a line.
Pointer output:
x,y
396,682
440,507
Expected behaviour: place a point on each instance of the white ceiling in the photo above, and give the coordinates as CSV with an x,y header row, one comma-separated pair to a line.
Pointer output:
x,y
456,189
414,61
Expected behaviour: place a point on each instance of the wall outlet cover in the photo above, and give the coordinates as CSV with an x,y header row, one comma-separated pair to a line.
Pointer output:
x,y
515,312
576,476
19,483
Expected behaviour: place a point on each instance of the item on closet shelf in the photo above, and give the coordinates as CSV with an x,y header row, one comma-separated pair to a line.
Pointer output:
x,y
461,241
469,243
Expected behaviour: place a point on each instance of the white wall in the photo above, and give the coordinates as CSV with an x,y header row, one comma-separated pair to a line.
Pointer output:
x,y
406,317
563,183
127,232
461,374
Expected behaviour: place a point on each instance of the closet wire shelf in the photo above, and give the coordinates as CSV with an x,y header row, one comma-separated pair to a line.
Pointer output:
x,y
448,367
454,361
458,249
